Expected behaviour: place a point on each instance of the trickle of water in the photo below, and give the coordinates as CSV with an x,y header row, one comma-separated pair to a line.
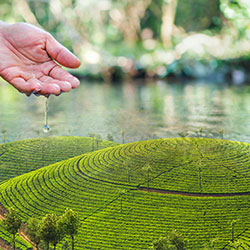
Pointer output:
x,y
46,127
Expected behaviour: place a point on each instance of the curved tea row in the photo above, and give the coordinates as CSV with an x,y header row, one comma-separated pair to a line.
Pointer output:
x,y
20,243
187,165
20,157
102,187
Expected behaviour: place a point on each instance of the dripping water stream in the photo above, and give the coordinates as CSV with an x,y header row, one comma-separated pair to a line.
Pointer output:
x,y
46,127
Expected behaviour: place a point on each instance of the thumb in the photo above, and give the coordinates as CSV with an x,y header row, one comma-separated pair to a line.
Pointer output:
x,y
61,54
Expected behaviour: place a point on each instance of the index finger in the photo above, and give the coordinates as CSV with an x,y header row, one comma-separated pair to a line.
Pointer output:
x,y
61,54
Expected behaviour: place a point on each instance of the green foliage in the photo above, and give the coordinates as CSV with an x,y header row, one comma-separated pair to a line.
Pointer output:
x,y
110,137
23,156
70,224
183,134
33,230
222,132
238,244
65,245
6,237
147,168
238,12
93,135
91,184
4,134
98,139
204,12
123,136
211,245
126,37
50,231
173,241
161,244
12,224
177,241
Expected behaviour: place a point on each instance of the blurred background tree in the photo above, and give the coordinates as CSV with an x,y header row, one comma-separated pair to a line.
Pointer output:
x,y
144,38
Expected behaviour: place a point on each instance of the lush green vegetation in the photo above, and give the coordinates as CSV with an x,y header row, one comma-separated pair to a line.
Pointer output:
x,y
12,223
17,158
20,242
145,38
105,188
50,230
173,241
23,156
53,229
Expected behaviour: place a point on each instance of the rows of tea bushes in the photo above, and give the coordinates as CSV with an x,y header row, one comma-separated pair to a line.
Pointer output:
x,y
186,165
125,219
147,216
23,156
102,186
21,244
243,240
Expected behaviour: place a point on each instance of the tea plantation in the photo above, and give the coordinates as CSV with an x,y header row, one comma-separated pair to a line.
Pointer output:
x,y
23,156
131,194
20,243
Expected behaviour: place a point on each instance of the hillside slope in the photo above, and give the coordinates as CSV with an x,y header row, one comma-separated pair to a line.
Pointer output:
x,y
107,189
23,156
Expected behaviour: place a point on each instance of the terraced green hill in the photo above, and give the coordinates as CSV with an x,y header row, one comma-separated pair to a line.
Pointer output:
x,y
23,156
20,242
197,186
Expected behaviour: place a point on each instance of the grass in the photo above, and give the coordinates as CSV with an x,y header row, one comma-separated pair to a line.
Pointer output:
x,y
105,188
20,157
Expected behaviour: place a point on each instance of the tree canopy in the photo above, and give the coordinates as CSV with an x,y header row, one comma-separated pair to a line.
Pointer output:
x,y
161,36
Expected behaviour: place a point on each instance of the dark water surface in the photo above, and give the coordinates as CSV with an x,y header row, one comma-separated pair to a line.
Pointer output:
x,y
143,110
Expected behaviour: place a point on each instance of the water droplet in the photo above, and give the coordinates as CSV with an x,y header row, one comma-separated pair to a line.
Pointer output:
x,y
46,128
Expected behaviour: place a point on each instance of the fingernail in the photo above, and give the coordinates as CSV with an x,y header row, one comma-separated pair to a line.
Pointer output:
x,y
36,92
66,86
75,82
75,79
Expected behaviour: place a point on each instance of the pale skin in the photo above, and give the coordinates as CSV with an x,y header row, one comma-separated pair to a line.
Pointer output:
x,y
30,60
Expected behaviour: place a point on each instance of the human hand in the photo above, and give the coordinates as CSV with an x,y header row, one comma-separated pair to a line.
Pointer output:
x,y
27,60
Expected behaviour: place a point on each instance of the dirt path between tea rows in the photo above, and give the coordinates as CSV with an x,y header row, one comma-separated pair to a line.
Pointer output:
x,y
163,191
3,245
22,234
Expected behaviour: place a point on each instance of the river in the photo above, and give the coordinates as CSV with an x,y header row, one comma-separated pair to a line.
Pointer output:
x,y
142,109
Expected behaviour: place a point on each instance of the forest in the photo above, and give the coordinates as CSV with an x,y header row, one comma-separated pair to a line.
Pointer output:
x,y
146,38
